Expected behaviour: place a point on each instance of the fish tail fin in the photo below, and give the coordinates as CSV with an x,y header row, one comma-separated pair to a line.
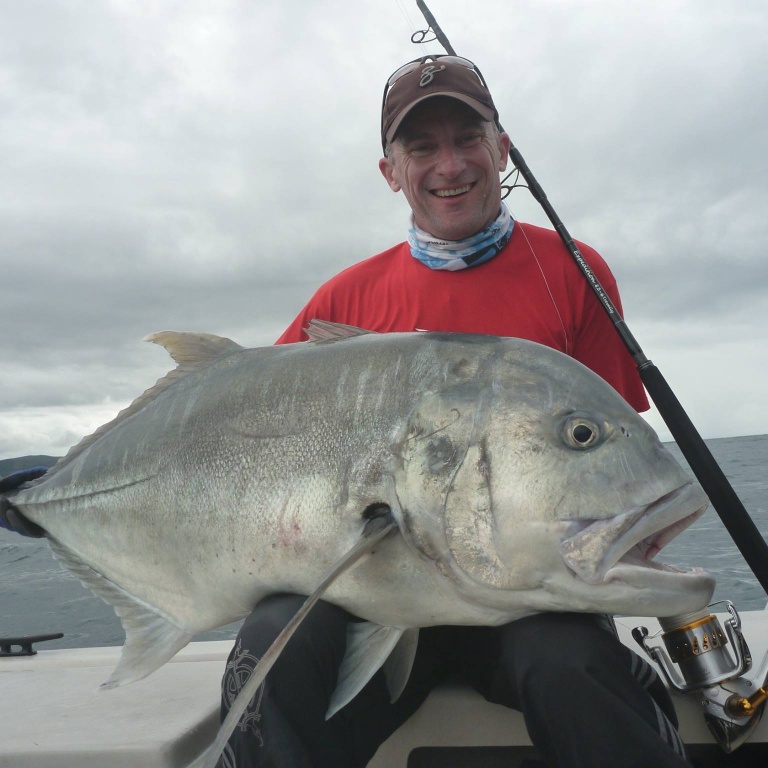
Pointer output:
x,y
151,639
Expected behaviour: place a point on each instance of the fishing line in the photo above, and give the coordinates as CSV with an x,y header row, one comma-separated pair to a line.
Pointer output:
x,y
416,37
546,284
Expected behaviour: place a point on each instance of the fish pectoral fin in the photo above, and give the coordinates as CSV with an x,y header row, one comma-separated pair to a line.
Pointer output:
x,y
369,646
151,639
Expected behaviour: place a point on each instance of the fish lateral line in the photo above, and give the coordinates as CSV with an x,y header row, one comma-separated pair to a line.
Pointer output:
x,y
91,494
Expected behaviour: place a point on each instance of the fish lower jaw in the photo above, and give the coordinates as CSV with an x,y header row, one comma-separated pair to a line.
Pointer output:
x,y
657,589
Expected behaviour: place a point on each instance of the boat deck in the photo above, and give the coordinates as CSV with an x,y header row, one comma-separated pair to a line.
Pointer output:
x,y
54,716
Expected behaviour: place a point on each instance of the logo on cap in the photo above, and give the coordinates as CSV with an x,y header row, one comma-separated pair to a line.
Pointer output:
x,y
428,74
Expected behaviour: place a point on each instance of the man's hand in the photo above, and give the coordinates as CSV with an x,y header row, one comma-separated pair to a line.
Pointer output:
x,y
11,518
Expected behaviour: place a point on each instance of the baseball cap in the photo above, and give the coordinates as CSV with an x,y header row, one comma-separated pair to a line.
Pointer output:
x,y
429,76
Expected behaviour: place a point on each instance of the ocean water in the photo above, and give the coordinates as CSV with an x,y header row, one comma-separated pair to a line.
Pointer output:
x,y
38,597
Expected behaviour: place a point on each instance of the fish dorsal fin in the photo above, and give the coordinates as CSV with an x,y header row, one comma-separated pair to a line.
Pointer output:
x,y
190,350
150,638
369,645
193,348
325,330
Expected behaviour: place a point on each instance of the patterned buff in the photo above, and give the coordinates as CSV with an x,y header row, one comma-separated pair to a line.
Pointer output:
x,y
460,254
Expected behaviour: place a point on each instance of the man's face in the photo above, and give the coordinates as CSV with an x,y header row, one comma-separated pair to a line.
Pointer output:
x,y
447,160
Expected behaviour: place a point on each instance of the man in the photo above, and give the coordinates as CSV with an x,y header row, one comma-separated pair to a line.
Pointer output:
x,y
467,266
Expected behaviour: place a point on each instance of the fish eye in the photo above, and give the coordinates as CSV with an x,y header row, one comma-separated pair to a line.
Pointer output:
x,y
580,432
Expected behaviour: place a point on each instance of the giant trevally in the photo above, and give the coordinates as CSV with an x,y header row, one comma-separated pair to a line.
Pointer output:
x,y
519,482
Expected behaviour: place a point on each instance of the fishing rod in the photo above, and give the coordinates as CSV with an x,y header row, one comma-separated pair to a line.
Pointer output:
x,y
726,503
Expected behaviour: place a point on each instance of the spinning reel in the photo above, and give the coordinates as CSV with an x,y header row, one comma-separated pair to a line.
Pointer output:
x,y
695,655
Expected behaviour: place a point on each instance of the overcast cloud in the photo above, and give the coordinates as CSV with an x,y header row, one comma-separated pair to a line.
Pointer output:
x,y
205,165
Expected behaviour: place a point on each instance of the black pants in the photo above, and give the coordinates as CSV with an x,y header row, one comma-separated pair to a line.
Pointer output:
x,y
587,700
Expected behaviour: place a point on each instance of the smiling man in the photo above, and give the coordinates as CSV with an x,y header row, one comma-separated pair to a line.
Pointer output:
x,y
446,161
467,266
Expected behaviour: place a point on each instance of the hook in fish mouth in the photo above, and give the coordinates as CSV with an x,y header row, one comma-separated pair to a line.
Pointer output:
x,y
633,537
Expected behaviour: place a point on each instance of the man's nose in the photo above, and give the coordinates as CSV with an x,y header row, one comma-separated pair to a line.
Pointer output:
x,y
450,161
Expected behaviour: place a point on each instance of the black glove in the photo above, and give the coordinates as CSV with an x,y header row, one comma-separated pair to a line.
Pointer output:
x,y
10,517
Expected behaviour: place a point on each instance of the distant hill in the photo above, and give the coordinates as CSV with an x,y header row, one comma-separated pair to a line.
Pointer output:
x,y
23,462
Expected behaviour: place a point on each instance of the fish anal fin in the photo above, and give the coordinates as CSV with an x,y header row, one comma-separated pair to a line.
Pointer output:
x,y
151,639
368,647
325,330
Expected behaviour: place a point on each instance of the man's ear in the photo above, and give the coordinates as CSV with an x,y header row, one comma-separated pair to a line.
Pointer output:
x,y
504,144
387,168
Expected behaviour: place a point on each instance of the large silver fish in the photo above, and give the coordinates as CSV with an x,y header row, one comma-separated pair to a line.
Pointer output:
x,y
519,481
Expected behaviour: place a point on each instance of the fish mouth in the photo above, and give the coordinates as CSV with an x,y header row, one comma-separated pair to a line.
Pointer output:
x,y
600,550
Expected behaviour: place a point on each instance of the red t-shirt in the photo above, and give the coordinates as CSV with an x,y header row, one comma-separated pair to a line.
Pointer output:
x,y
532,290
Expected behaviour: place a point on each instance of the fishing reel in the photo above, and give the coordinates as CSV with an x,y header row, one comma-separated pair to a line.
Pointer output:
x,y
697,657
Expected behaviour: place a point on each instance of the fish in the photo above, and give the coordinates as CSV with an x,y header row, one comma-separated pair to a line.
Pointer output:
x,y
515,480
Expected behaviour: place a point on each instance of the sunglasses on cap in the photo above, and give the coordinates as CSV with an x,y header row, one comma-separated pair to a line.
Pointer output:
x,y
444,57
416,63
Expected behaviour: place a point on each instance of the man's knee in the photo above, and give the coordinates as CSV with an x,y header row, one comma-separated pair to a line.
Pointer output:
x,y
560,638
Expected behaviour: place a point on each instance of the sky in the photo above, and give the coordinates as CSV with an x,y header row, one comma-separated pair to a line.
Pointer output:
x,y
204,165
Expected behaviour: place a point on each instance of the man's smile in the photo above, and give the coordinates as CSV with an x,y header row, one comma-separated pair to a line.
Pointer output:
x,y
452,192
